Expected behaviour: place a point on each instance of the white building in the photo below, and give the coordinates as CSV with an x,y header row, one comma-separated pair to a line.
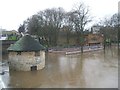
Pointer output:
x,y
95,29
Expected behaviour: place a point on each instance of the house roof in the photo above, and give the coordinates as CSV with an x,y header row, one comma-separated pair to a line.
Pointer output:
x,y
9,32
26,43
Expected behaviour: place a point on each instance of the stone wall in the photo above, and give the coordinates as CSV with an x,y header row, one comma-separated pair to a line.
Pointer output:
x,y
26,60
41,62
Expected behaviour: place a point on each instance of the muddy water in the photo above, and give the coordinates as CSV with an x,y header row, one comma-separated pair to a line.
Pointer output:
x,y
90,70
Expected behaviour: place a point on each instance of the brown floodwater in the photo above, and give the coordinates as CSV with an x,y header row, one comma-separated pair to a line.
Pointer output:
x,y
96,69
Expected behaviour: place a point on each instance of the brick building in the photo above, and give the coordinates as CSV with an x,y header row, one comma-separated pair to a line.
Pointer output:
x,y
94,39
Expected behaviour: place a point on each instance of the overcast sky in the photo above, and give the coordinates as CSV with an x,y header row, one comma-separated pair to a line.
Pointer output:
x,y
14,12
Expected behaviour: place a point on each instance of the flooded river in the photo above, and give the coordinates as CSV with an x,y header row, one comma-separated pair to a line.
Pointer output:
x,y
96,69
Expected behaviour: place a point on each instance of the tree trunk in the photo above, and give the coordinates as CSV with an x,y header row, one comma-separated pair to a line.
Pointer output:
x,y
81,48
68,38
82,40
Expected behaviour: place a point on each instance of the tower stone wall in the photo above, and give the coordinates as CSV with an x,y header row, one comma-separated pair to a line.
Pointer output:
x,y
24,61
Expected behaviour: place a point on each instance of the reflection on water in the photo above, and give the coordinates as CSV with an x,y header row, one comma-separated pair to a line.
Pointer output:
x,y
90,70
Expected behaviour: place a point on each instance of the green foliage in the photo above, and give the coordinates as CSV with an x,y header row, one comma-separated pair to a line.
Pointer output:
x,y
12,38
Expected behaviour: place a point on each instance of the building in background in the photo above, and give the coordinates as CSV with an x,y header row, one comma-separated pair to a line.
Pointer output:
x,y
9,35
94,39
95,29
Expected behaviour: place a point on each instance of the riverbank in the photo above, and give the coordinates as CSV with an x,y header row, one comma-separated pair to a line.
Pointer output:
x,y
74,50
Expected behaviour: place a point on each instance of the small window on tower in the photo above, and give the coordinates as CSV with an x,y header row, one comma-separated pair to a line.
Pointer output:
x,y
37,53
18,53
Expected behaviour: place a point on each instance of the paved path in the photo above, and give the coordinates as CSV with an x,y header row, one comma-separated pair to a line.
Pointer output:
x,y
75,50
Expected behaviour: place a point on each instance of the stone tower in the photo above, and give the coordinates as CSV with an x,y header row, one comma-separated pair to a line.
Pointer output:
x,y
26,54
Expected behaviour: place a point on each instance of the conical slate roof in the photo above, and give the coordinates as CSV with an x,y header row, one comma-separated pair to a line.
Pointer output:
x,y
26,43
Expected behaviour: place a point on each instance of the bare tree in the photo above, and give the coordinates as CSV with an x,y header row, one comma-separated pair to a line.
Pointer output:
x,y
67,26
46,24
53,20
33,25
109,28
80,18
21,28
